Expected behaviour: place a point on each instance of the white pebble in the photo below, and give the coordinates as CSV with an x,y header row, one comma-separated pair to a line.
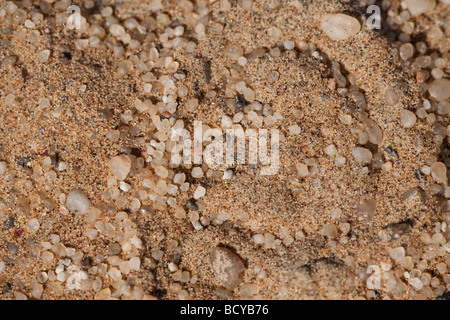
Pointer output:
x,y
340,26
440,89
408,118
120,166
33,225
362,155
294,130
78,202
199,193
397,253
417,7
3,167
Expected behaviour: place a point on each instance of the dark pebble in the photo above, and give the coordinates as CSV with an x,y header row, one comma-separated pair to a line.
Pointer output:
x,y
86,262
191,205
55,159
8,224
114,249
239,102
12,247
23,162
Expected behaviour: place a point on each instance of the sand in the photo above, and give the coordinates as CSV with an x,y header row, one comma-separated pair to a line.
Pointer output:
x,y
307,263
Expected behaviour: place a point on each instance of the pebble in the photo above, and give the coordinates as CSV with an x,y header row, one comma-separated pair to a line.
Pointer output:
x,y
36,289
294,130
416,283
440,89
408,118
367,209
197,172
125,68
9,223
362,155
199,192
302,170
3,167
249,290
33,225
439,172
331,150
340,26
417,7
392,97
374,131
397,253
120,166
329,231
43,56
228,267
78,202
406,51
12,247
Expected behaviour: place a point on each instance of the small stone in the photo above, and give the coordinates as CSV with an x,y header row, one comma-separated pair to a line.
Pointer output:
x,y
228,267
249,290
197,173
125,68
36,289
42,277
331,150
406,53
439,172
408,118
302,170
294,130
329,231
3,167
78,202
417,7
43,56
340,26
199,192
440,89
239,102
397,253
416,283
373,130
33,225
392,97
362,155
367,209
12,247
120,166
10,7
135,263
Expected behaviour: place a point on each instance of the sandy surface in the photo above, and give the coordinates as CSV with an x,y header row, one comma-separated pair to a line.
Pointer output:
x,y
294,83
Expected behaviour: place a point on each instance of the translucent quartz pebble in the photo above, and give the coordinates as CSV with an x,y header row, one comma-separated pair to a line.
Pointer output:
x,y
362,155
439,172
373,130
120,166
440,89
228,267
78,202
417,7
408,118
340,26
